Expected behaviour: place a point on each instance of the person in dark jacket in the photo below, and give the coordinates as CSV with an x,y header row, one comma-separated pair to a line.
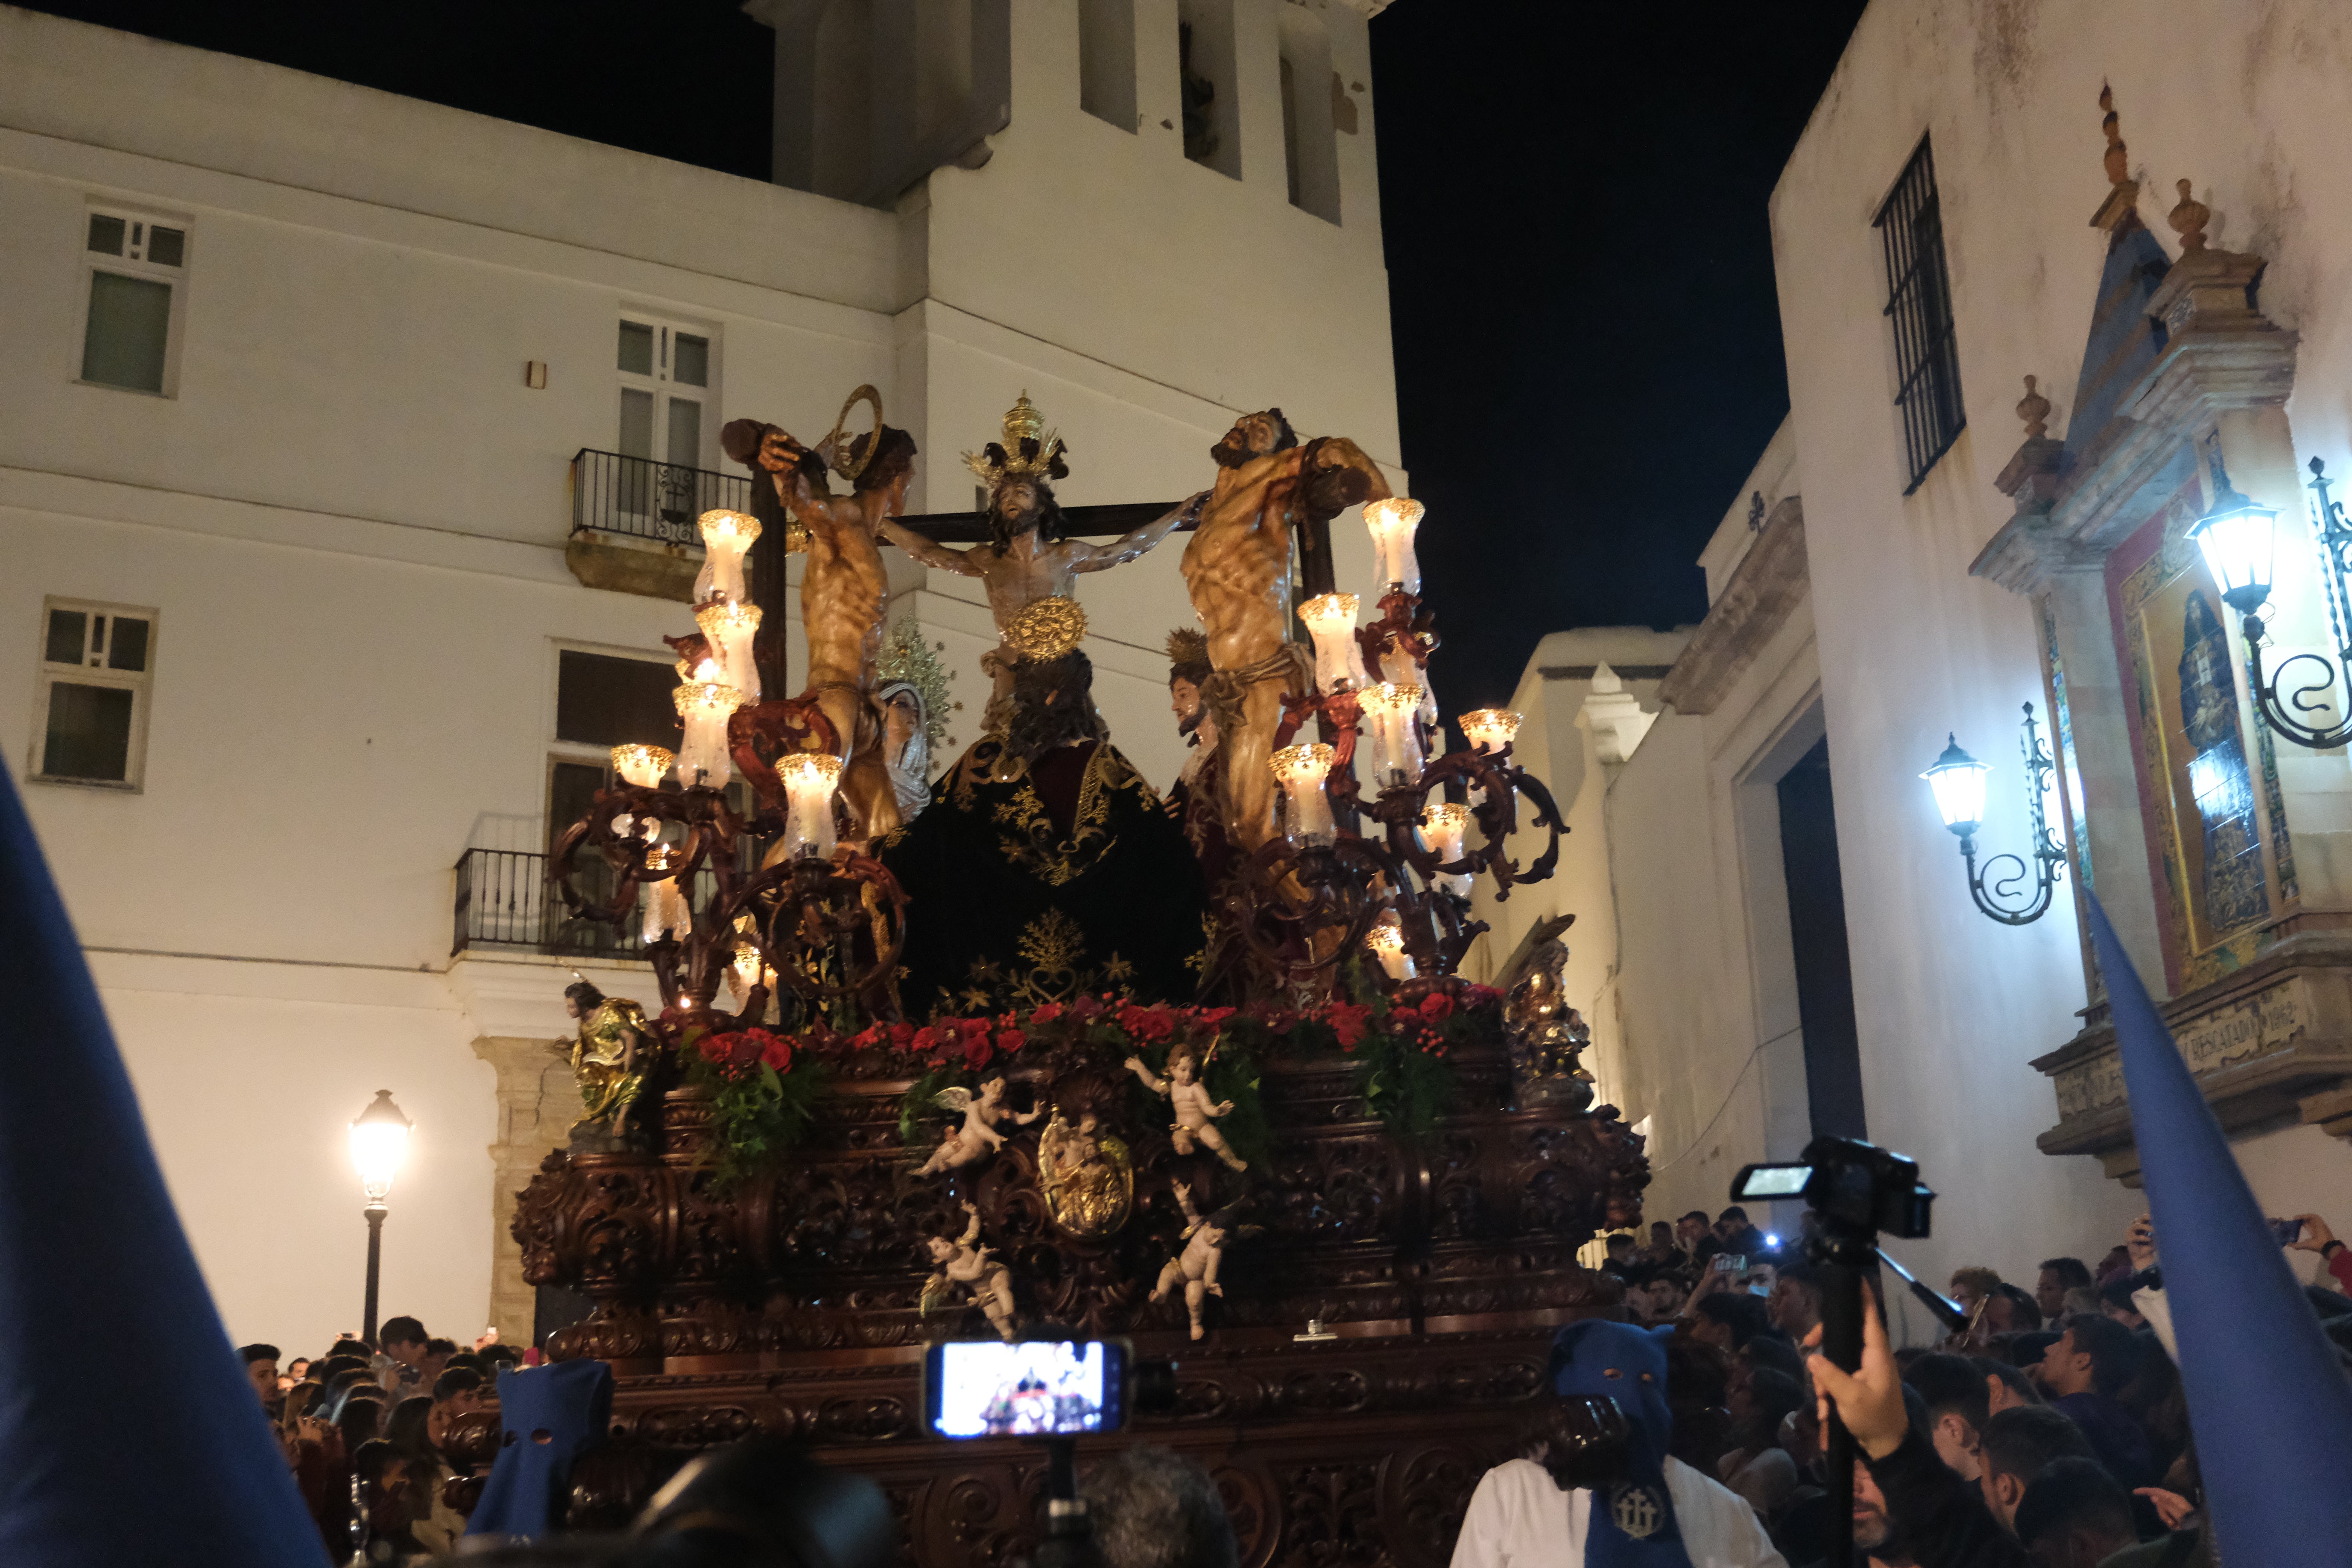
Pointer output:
x,y
2093,1358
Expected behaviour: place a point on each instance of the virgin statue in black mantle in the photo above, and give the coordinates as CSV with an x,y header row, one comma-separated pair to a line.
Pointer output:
x,y
1045,866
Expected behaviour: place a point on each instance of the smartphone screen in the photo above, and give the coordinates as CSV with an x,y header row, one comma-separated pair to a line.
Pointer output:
x,y
2288,1231
1033,1388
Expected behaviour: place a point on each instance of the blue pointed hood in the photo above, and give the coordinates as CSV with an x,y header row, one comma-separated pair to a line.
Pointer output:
x,y
2269,1405
128,1431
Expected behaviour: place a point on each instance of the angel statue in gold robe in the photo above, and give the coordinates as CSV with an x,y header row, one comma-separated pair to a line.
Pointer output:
x,y
965,1265
610,1056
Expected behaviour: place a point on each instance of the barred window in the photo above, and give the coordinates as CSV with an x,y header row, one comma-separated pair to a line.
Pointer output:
x,y
1920,303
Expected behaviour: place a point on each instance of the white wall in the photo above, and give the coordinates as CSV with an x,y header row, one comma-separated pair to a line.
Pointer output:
x,y
351,514
1952,1007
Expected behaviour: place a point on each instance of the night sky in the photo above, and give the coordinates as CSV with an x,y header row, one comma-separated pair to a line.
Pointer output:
x,y
1580,267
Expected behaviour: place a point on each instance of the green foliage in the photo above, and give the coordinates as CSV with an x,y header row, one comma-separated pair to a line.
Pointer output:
x,y
1405,1088
759,1113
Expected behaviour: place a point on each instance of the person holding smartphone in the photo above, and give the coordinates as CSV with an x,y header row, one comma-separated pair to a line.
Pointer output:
x,y
2311,1234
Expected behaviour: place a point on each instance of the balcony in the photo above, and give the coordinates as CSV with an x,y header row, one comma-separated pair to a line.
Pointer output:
x,y
504,902
633,521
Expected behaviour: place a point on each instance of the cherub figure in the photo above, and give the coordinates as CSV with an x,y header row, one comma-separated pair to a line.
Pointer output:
x,y
978,1135
1189,1098
963,1262
1196,1266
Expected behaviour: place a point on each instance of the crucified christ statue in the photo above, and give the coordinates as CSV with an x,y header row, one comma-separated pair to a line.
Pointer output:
x,y
1237,567
1026,559
844,588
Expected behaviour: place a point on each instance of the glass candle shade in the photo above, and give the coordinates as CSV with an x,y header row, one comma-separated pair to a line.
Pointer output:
x,y
729,626
642,766
1330,620
1489,729
1387,942
1442,828
704,708
666,914
1301,770
727,538
809,780
1396,744
1392,522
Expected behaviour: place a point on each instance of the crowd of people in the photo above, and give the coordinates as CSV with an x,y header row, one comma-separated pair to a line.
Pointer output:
x,y
362,1427
2049,1428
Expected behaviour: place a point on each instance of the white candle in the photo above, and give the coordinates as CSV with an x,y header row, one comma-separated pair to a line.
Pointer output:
x,y
1387,942
1330,620
1301,771
1442,828
726,536
729,626
705,706
1392,522
809,779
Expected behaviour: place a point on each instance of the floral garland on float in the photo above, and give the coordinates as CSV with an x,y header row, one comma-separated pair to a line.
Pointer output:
x,y
764,1085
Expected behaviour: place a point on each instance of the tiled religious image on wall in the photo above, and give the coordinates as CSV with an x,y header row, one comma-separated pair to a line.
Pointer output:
x,y
2208,780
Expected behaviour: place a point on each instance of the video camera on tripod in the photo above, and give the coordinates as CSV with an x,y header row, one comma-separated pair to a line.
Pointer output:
x,y
1856,1192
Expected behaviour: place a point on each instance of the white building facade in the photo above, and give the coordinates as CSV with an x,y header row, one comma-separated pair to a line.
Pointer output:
x,y
320,407
1929,555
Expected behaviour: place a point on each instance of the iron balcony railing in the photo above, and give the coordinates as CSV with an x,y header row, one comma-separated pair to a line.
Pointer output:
x,y
504,901
641,499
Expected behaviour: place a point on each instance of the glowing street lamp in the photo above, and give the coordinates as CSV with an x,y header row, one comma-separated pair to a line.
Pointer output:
x,y
379,1139
1958,781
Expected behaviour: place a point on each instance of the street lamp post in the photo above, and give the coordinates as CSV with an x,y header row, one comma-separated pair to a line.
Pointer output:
x,y
379,1138
1958,781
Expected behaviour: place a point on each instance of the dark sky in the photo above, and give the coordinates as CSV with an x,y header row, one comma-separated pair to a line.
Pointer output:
x,y
1580,268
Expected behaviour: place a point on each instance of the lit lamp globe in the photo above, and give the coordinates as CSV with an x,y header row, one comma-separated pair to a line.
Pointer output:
x,y
1396,749
727,538
379,1139
729,626
1958,781
1387,942
1301,771
810,779
642,766
1442,828
1489,729
1330,620
2238,540
1392,521
703,708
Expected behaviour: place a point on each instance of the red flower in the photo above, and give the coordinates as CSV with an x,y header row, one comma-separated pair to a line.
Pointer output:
x,y
1436,1007
1476,996
1213,1018
1045,1015
744,1046
1351,1021
902,1035
1149,1025
713,1048
1011,1039
976,1051
1086,1009
776,1052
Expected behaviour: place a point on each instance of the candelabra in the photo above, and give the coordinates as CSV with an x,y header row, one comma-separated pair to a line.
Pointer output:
x,y
1391,872
815,916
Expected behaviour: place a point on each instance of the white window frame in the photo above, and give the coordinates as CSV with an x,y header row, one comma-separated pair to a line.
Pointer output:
x,y
139,683
134,263
663,385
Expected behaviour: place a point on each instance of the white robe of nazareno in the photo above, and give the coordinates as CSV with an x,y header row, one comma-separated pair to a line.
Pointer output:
x,y
1520,1518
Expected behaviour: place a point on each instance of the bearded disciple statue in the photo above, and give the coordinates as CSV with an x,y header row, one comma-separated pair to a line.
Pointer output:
x,y
844,588
1237,568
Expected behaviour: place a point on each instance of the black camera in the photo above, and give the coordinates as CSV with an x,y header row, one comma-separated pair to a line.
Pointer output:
x,y
1855,1185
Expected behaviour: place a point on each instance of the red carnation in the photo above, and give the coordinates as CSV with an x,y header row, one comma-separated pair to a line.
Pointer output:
x,y
1149,1025
744,1046
975,1051
776,1052
1436,1007
1011,1039
902,1035
713,1048
1351,1021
